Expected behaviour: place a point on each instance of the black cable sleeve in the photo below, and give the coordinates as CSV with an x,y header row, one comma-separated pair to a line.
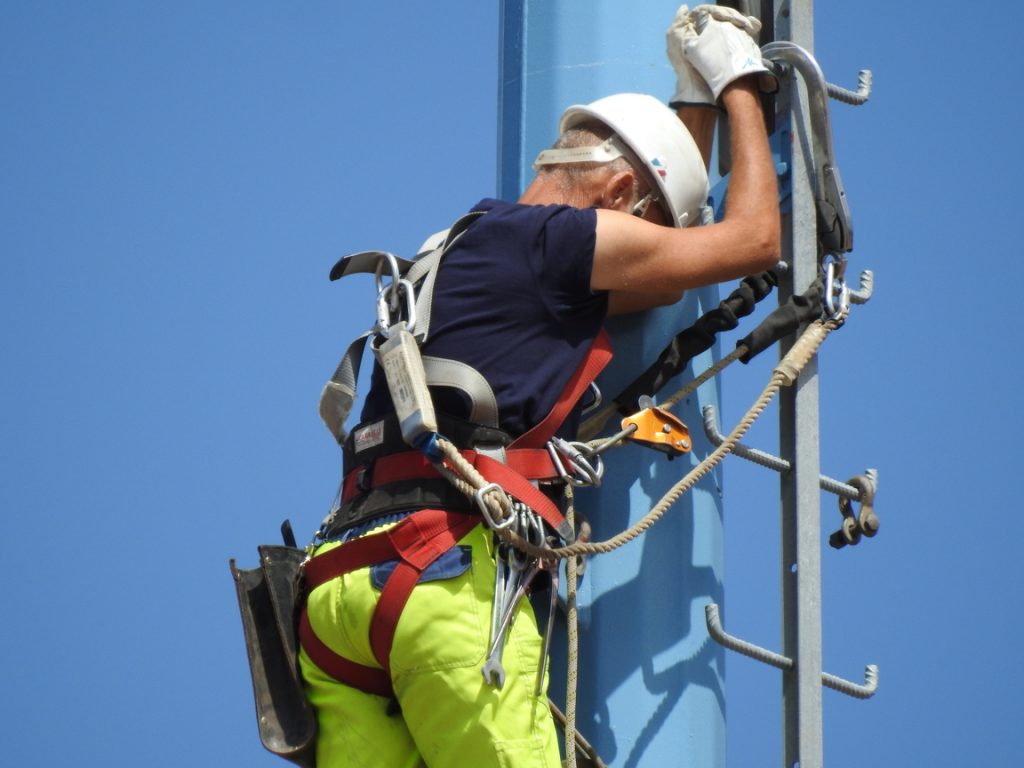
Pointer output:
x,y
785,320
699,337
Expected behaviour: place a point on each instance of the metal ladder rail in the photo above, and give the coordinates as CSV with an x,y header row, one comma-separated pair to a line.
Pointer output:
x,y
816,195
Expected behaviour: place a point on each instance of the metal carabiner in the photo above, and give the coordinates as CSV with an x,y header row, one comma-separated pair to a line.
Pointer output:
x,y
835,286
389,297
534,528
387,303
406,289
383,326
579,457
396,274
594,404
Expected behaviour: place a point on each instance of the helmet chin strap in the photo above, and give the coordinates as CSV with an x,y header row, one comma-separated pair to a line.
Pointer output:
x,y
605,152
644,203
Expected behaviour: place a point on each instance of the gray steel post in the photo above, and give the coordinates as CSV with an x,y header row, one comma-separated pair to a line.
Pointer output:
x,y
798,438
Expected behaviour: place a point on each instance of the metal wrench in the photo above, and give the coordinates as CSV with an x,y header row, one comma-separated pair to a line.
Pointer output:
x,y
516,564
493,671
509,566
500,574
553,571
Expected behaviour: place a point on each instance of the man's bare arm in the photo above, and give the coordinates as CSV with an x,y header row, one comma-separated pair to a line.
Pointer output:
x,y
700,122
637,256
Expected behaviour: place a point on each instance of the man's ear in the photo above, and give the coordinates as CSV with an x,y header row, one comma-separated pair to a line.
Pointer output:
x,y
617,193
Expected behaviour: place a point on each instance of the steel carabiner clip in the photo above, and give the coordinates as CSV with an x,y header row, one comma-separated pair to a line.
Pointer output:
x,y
389,297
585,468
836,287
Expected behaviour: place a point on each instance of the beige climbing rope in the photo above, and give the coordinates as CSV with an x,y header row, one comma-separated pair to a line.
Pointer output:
x,y
465,477
469,481
595,423
572,633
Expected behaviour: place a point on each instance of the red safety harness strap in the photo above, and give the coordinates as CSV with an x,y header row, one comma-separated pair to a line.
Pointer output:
x,y
420,539
598,356
523,466
526,459
521,488
416,542
368,679
341,560
531,463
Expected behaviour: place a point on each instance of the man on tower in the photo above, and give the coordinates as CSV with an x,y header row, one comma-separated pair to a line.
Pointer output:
x,y
403,607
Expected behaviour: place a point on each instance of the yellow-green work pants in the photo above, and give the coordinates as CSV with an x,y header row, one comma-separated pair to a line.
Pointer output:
x,y
450,717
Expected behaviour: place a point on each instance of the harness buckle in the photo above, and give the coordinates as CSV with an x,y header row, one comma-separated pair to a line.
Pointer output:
x,y
363,479
481,502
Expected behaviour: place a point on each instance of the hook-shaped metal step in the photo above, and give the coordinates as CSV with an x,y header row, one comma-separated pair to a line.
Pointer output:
x,y
777,463
723,638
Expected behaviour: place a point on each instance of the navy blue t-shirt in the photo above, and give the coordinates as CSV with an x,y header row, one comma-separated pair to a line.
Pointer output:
x,y
513,300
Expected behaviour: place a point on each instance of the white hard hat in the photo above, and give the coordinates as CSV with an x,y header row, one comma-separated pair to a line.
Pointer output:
x,y
656,136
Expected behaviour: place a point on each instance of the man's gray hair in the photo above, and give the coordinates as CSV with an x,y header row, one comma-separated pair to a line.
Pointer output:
x,y
591,133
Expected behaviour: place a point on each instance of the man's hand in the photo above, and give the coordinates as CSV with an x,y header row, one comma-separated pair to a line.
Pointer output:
x,y
718,43
691,90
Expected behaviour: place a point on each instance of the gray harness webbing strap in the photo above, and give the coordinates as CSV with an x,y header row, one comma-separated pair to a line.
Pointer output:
x,y
425,269
426,266
339,394
443,372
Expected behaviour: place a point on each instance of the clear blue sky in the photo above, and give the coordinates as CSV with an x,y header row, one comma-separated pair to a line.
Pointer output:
x,y
176,180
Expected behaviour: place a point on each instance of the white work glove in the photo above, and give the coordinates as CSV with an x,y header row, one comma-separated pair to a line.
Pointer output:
x,y
749,24
691,90
719,44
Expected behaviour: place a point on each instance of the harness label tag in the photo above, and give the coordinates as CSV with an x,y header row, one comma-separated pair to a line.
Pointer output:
x,y
399,356
368,436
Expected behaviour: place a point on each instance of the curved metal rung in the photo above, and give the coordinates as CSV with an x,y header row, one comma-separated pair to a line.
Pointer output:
x,y
802,61
854,98
723,638
831,196
780,465
862,295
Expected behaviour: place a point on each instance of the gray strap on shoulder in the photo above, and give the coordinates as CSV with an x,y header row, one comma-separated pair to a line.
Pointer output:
x,y
426,266
339,394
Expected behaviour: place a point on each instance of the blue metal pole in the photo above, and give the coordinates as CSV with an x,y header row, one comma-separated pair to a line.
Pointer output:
x,y
652,686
